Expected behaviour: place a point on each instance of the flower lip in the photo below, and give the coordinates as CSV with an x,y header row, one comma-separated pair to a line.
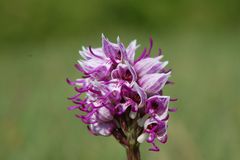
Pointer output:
x,y
135,94
122,107
157,105
152,125
151,137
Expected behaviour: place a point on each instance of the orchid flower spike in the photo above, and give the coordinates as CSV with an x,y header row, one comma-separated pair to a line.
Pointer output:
x,y
121,95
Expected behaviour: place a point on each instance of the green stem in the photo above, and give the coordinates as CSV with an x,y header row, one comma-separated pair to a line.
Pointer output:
x,y
133,152
132,149
127,136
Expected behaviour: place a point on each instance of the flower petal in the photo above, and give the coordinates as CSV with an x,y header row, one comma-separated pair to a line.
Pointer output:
x,y
153,83
141,93
111,50
96,68
149,65
131,51
86,53
104,114
103,129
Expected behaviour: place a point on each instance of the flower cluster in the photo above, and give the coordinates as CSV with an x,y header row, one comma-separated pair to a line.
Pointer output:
x,y
120,95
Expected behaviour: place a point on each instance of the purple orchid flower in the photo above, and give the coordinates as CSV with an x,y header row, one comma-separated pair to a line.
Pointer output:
x,y
122,96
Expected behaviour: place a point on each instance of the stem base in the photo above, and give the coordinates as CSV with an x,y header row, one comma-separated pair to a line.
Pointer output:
x,y
133,152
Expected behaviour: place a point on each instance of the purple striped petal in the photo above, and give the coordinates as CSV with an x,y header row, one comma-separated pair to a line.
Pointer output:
x,y
153,83
104,114
103,129
111,50
141,93
131,51
149,65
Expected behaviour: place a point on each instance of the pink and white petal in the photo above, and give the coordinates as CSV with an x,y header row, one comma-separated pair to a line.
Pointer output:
x,y
103,129
96,68
85,54
131,51
141,93
98,53
110,49
89,65
133,72
163,117
153,83
104,114
149,65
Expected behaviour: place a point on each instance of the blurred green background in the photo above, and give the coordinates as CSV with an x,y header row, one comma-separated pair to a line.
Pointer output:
x,y
39,43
